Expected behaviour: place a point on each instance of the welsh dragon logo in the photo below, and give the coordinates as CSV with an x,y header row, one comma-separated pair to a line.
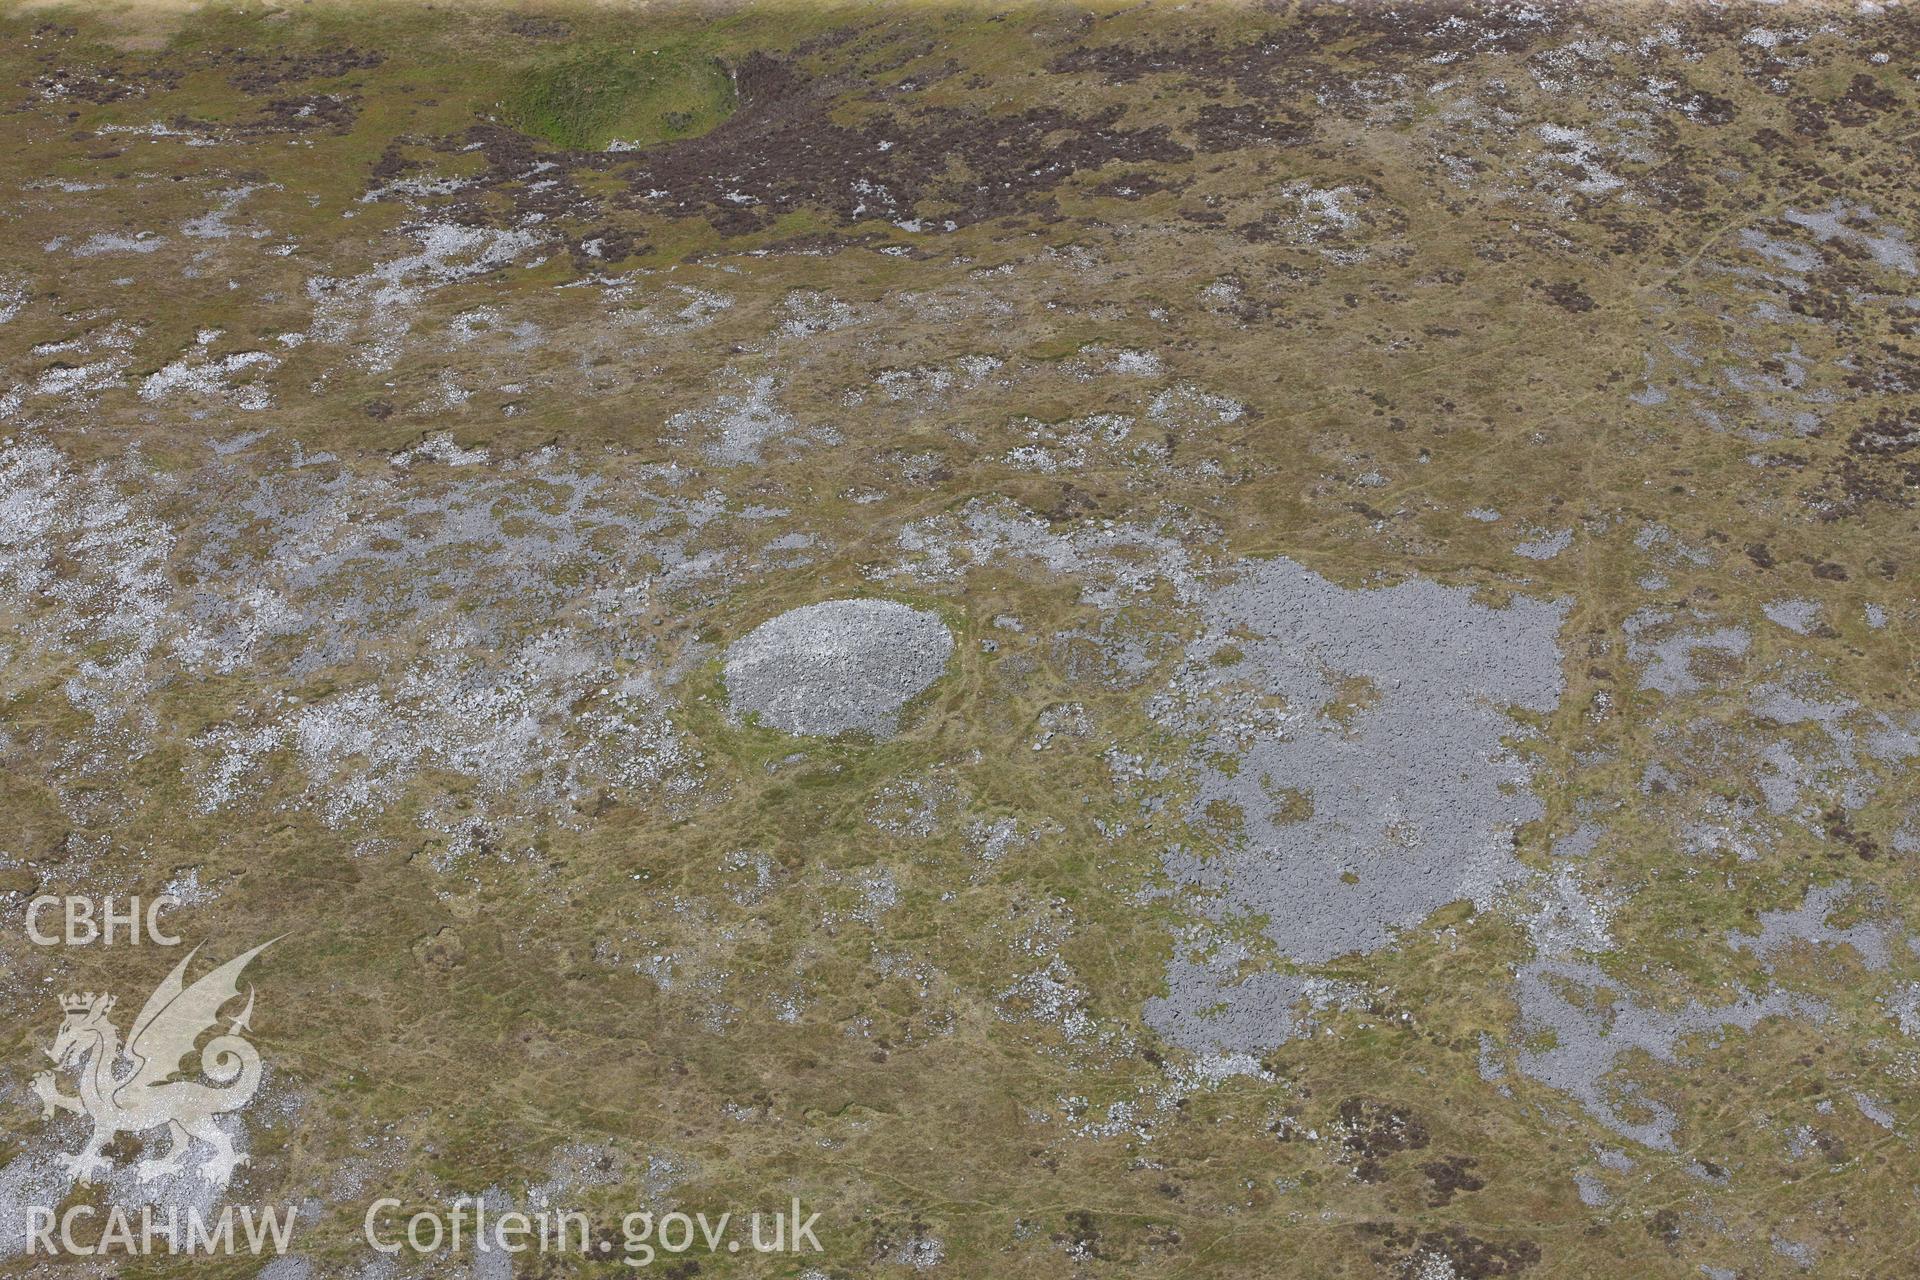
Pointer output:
x,y
152,1094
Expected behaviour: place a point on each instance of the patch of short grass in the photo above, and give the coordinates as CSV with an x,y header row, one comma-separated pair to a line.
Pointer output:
x,y
591,100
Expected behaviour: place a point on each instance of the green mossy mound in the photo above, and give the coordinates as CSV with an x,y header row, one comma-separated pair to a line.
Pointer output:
x,y
594,100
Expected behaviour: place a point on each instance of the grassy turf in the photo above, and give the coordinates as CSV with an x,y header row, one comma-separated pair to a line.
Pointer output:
x,y
635,96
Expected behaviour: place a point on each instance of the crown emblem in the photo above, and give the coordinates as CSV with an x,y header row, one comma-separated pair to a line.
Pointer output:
x,y
86,1002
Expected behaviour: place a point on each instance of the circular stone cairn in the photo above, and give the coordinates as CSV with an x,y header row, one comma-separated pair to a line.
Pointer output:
x,y
837,666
